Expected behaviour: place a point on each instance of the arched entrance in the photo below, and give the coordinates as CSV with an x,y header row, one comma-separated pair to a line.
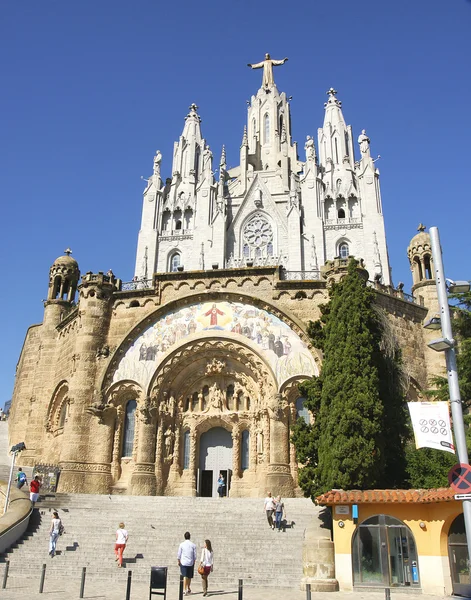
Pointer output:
x,y
384,553
458,555
215,456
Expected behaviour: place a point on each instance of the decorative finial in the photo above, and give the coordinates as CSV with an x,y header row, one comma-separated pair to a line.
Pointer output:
x,y
245,141
193,107
68,252
421,227
331,92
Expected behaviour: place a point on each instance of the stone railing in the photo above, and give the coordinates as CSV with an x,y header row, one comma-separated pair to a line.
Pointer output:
x,y
312,275
136,284
395,292
350,221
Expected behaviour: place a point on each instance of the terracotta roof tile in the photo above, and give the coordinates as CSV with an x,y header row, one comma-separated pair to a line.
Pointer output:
x,y
386,496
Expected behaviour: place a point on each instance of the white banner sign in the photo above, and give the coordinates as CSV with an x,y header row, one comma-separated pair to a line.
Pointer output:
x,y
431,423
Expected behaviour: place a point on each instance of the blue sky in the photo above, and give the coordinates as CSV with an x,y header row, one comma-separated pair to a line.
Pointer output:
x,y
91,89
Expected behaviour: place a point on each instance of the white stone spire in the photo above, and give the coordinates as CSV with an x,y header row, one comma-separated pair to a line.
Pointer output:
x,y
335,138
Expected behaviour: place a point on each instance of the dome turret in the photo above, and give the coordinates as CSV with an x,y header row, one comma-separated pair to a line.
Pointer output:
x,y
420,256
64,276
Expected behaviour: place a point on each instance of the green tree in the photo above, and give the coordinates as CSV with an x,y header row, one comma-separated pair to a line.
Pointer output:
x,y
357,439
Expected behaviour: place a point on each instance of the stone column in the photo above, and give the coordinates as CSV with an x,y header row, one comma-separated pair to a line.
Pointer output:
x,y
192,469
143,477
279,478
159,458
115,460
235,457
292,450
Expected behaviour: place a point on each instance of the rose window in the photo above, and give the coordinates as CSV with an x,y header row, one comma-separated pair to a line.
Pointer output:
x,y
258,233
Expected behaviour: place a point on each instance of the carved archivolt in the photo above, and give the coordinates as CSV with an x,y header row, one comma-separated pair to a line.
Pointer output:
x,y
58,409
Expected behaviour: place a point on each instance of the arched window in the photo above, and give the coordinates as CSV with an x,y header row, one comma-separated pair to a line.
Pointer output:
x,y
57,286
344,251
188,218
458,556
336,151
269,249
347,149
129,425
186,449
301,411
175,260
197,162
384,553
63,414
165,220
427,267
418,268
266,129
341,214
245,450
178,225
246,250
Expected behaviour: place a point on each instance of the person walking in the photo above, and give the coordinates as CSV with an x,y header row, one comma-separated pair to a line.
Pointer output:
x,y
269,507
34,489
221,485
186,557
55,531
207,562
121,540
279,512
20,478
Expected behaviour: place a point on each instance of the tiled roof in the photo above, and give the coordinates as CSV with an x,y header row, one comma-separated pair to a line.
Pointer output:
x,y
386,496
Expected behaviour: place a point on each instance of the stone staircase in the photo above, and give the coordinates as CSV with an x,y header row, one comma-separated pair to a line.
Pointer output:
x,y
244,546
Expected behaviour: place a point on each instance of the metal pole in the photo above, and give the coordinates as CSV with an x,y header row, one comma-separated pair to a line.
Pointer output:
x,y
452,373
7,497
241,589
82,582
180,591
5,574
387,594
308,591
41,582
128,587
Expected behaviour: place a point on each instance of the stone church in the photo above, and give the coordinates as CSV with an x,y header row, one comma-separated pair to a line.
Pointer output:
x,y
157,385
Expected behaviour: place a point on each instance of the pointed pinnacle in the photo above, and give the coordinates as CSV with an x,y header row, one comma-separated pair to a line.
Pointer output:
x,y
245,141
222,162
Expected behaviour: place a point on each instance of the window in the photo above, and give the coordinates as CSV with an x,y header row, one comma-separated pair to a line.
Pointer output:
x,y
344,251
129,425
174,262
301,411
341,214
178,225
266,129
336,151
186,450
427,267
245,450
63,414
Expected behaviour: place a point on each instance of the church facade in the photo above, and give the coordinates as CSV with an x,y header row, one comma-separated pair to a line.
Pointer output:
x,y
158,385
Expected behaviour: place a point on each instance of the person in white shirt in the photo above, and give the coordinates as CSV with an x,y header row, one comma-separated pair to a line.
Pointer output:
x,y
207,562
54,532
269,507
121,539
186,561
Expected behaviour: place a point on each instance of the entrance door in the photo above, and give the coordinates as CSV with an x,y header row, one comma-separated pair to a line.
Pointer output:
x,y
215,457
384,553
458,555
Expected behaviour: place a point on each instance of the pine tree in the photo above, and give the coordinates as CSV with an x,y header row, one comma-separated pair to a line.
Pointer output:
x,y
357,439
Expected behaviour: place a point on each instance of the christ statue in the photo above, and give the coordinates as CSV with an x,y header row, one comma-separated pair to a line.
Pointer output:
x,y
213,314
267,65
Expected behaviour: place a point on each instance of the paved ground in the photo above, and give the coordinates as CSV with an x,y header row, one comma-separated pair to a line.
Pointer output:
x,y
70,588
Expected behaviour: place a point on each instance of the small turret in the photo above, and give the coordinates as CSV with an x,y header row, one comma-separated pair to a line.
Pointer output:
x,y
420,259
64,276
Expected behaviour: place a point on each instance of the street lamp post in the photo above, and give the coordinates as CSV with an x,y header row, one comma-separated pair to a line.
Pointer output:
x,y
14,451
452,373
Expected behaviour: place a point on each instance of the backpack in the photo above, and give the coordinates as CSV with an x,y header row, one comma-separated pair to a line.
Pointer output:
x,y
61,529
22,477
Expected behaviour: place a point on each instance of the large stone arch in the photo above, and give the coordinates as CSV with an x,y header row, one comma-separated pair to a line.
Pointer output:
x,y
285,316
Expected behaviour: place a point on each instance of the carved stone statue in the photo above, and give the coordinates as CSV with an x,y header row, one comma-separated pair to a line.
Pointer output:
x,y
207,159
171,406
310,149
215,398
267,65
169,437
157,161
364,142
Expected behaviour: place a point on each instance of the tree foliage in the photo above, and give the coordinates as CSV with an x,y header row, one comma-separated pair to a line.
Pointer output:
x,y
357,439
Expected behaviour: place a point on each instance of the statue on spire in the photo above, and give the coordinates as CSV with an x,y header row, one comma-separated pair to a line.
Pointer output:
x,y
364,142
267,65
